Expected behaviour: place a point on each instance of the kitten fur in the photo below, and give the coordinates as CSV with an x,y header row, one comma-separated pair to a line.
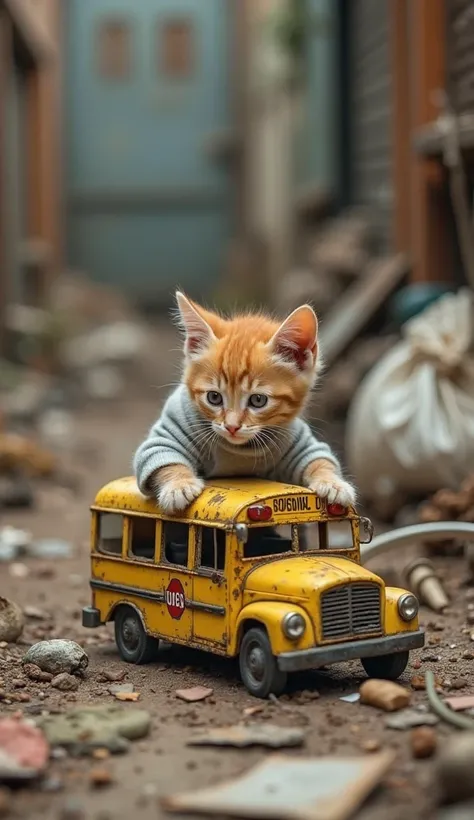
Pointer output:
x,y
245,384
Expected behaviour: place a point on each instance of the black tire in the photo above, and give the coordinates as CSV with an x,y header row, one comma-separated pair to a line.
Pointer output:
x,y
133,644
387,667
258,666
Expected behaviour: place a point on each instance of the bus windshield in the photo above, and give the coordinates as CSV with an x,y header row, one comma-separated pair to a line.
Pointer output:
x,y
310,537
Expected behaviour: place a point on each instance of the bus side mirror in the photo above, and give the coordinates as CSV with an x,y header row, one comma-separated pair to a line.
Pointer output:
x,y
366,530
242,533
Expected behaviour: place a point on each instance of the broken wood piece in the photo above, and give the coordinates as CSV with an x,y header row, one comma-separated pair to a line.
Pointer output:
x,y
459,703
359,303
328,788
252,734
384,694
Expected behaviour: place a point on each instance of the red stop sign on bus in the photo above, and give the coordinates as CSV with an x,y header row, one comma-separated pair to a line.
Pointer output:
x,y
175,600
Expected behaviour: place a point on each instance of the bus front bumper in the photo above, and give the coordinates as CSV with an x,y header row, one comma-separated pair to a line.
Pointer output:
x,y
349,651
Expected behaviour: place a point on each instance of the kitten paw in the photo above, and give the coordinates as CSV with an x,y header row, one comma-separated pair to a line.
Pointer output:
x,y
335,490
175,496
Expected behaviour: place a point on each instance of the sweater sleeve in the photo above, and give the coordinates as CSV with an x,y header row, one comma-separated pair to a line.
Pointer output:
x,y
304,449
167,443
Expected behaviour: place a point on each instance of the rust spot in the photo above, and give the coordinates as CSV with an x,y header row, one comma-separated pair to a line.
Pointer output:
x,y
218,498
235,594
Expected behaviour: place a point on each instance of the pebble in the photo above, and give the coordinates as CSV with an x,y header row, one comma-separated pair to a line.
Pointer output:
x,y
35,614
416,664
454,769
11,620
72,810
33,672
109,675
370,745
384,694
423,742
57,656
468,655
18,570
65,682
99,777
194,694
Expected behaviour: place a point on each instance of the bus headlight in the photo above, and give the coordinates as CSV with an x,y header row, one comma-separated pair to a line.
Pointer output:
x,y
408,606
293,625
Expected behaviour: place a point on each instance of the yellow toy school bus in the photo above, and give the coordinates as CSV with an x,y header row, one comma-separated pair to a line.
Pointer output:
x,y
266,571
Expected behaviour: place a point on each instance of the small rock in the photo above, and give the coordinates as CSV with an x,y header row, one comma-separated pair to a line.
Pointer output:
x,y
194,694
255,734
86,728
100,754
33,672
51,785
51,548
22,747
65,682
384,695
11,621
121,687
418,683
423,742
18,570
409,718
128,696
370,745
454,769
72,810
57,656
458,684
416,664
468,655
250,711
111,675
34,613
470,618
99,777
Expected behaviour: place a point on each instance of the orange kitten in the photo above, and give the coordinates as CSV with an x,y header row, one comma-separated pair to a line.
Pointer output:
x,y
237,412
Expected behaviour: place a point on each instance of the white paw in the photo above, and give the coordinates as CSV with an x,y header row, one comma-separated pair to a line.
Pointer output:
x,y
336,491
177,495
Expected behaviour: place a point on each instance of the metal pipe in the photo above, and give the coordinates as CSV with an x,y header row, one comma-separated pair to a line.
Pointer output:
x,y
416,533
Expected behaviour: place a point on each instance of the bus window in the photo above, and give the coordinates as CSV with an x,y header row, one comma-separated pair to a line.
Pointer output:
x,y
109,533
175,541
212,548
142,538
264,541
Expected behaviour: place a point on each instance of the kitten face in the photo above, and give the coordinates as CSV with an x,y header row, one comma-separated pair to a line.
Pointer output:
x,y
249,373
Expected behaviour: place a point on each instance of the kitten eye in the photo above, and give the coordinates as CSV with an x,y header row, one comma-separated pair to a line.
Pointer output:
x,y
214,398
258,400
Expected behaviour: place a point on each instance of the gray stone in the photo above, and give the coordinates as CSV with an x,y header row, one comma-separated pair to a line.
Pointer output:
x,y
455,767
116,688
65,682
57,656
51,548
11,621
83,729
410,718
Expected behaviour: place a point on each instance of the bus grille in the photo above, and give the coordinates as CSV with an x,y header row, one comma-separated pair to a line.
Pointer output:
x,y
351,610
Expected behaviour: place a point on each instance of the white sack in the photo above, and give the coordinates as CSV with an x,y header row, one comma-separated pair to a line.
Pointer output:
x,y
411,424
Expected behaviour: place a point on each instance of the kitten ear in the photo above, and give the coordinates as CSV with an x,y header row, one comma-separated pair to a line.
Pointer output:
x,y
295,341
199,333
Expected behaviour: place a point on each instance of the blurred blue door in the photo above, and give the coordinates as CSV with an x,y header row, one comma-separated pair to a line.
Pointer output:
x,y
149,206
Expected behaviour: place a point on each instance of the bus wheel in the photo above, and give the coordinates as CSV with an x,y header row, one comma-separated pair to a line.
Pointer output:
x,y
387,667
258,666
133,644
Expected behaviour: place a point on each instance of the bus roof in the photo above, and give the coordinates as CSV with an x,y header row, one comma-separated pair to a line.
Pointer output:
x,y
221,501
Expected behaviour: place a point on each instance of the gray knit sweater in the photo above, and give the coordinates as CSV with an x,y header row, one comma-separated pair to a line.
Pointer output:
x,y
176,438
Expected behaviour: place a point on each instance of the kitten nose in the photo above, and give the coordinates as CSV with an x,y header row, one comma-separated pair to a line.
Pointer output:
x,y
233,428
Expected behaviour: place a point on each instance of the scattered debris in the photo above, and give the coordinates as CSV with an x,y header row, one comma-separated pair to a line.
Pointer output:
x,y
370,746
327,787
86,728
194,694
440,708
354,697
24,751
121,688
384,694
34,613
109,675
33,672
99,777
13,543
18,570
460,703
11,620
51,548
454,769
65,682
127,696
250,711
423,742
252,734
410,718
57,656
423,581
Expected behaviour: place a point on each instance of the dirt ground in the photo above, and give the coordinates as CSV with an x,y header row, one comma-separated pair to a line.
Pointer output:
x,y
163,763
